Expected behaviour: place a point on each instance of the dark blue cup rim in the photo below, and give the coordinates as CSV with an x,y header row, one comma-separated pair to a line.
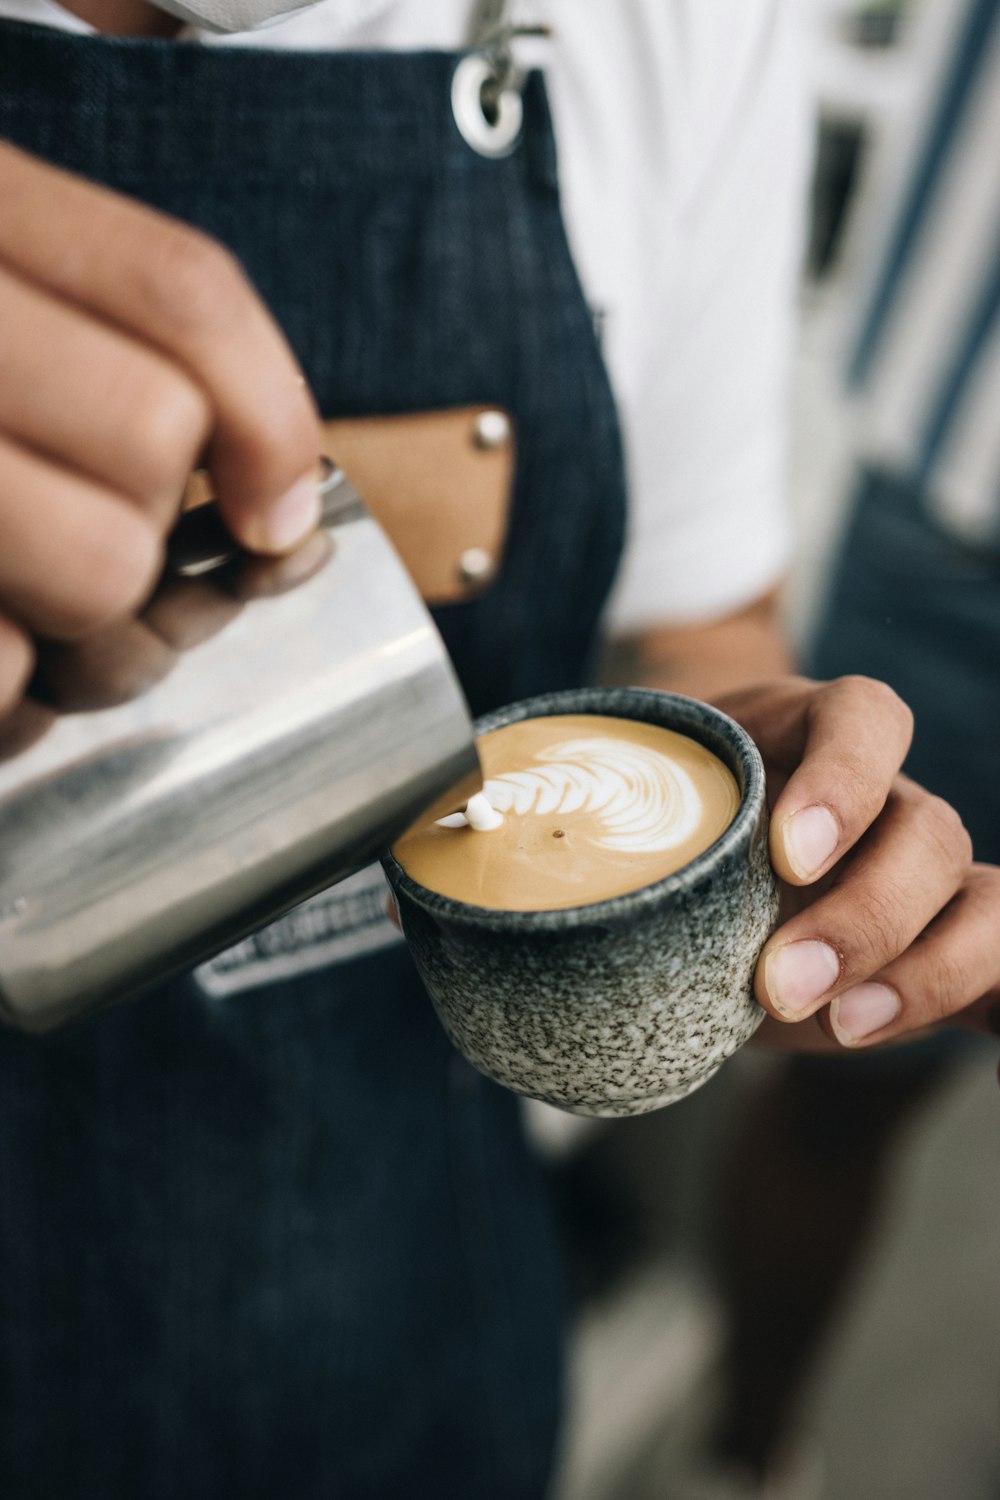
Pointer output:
x,y
704,723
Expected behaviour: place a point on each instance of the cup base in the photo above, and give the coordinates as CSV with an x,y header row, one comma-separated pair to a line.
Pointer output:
x,y
623,1109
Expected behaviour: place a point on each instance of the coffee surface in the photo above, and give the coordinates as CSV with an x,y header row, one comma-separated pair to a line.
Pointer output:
x,y
592,807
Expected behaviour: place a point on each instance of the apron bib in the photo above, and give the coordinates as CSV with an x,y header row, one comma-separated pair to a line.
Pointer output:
x,y
282,1240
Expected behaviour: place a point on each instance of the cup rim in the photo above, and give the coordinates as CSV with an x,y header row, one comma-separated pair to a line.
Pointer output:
x,y
687,716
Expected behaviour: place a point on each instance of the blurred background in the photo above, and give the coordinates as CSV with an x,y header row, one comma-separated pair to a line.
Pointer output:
x,y
824,1328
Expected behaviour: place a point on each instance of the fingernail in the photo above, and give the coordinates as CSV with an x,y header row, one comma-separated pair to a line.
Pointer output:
x,y
810,838
798,974
863,1010
290,518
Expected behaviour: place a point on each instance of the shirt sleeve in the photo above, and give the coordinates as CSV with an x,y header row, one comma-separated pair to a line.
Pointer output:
x,y
705,423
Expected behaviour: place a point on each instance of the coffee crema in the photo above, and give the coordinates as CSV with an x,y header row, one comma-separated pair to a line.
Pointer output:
x,y
592,807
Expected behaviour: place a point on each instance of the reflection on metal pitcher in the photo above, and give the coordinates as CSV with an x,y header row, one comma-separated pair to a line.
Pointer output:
x,y
176,781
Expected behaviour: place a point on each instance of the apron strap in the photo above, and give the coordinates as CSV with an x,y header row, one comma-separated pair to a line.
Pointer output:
x,y
488,18
491,32
486,90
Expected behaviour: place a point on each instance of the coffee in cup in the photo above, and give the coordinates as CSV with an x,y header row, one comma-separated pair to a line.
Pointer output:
x,y
591,807
628,984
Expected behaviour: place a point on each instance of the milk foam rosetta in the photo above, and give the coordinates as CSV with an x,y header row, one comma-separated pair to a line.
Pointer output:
x,y
642,800
591,807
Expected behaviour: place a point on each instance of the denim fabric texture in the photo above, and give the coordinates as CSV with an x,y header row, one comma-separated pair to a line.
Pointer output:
x,y
911,605
920,610
288,1244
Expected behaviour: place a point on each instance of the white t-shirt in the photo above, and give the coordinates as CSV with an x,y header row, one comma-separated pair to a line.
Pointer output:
x,y
684,138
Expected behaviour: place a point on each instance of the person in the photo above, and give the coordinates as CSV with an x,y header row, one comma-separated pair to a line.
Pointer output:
x,y
914,600
271,1235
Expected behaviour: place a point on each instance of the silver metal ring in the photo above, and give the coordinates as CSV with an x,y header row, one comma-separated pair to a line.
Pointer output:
x,y
469,87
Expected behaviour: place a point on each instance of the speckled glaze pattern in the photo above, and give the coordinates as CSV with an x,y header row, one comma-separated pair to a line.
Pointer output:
x,y
621,1006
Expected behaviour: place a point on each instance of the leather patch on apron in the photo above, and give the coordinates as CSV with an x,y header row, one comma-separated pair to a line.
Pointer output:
x,y
438,483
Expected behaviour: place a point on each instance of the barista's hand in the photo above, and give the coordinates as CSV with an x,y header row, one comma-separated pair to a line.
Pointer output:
x,y
133,349
896,928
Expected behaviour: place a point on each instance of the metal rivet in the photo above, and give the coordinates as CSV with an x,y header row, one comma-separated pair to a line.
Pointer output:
x,y
475,565
492,429
494,134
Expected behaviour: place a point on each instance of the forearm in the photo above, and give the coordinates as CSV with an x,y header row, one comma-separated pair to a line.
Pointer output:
x,y
705,660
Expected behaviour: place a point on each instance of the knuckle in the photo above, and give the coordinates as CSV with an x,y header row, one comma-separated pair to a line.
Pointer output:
x,y
880,697
854,795
115,570
168,423
946,987
945,832
851,785
877,934
193,280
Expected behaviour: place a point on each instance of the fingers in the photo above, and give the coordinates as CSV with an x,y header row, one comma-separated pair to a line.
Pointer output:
x,y
953,965
132,346
857,735
904,940
266,577
842,743
74,556
169,286
895,930
905,870
107,407
126,658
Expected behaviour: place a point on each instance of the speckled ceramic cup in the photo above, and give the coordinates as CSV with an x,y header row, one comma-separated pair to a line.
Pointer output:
x,y
620,1006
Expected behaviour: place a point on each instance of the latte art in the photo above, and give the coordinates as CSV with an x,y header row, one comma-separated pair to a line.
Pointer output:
x,y
643,800
584,807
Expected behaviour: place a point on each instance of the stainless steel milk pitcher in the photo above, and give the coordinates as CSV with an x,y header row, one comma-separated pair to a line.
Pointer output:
x,y
284,721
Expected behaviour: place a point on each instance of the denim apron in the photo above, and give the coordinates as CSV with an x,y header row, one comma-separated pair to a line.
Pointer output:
x,y
285,1243
919,608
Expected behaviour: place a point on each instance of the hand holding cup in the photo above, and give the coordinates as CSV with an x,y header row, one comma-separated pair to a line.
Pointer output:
x,y
603,999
